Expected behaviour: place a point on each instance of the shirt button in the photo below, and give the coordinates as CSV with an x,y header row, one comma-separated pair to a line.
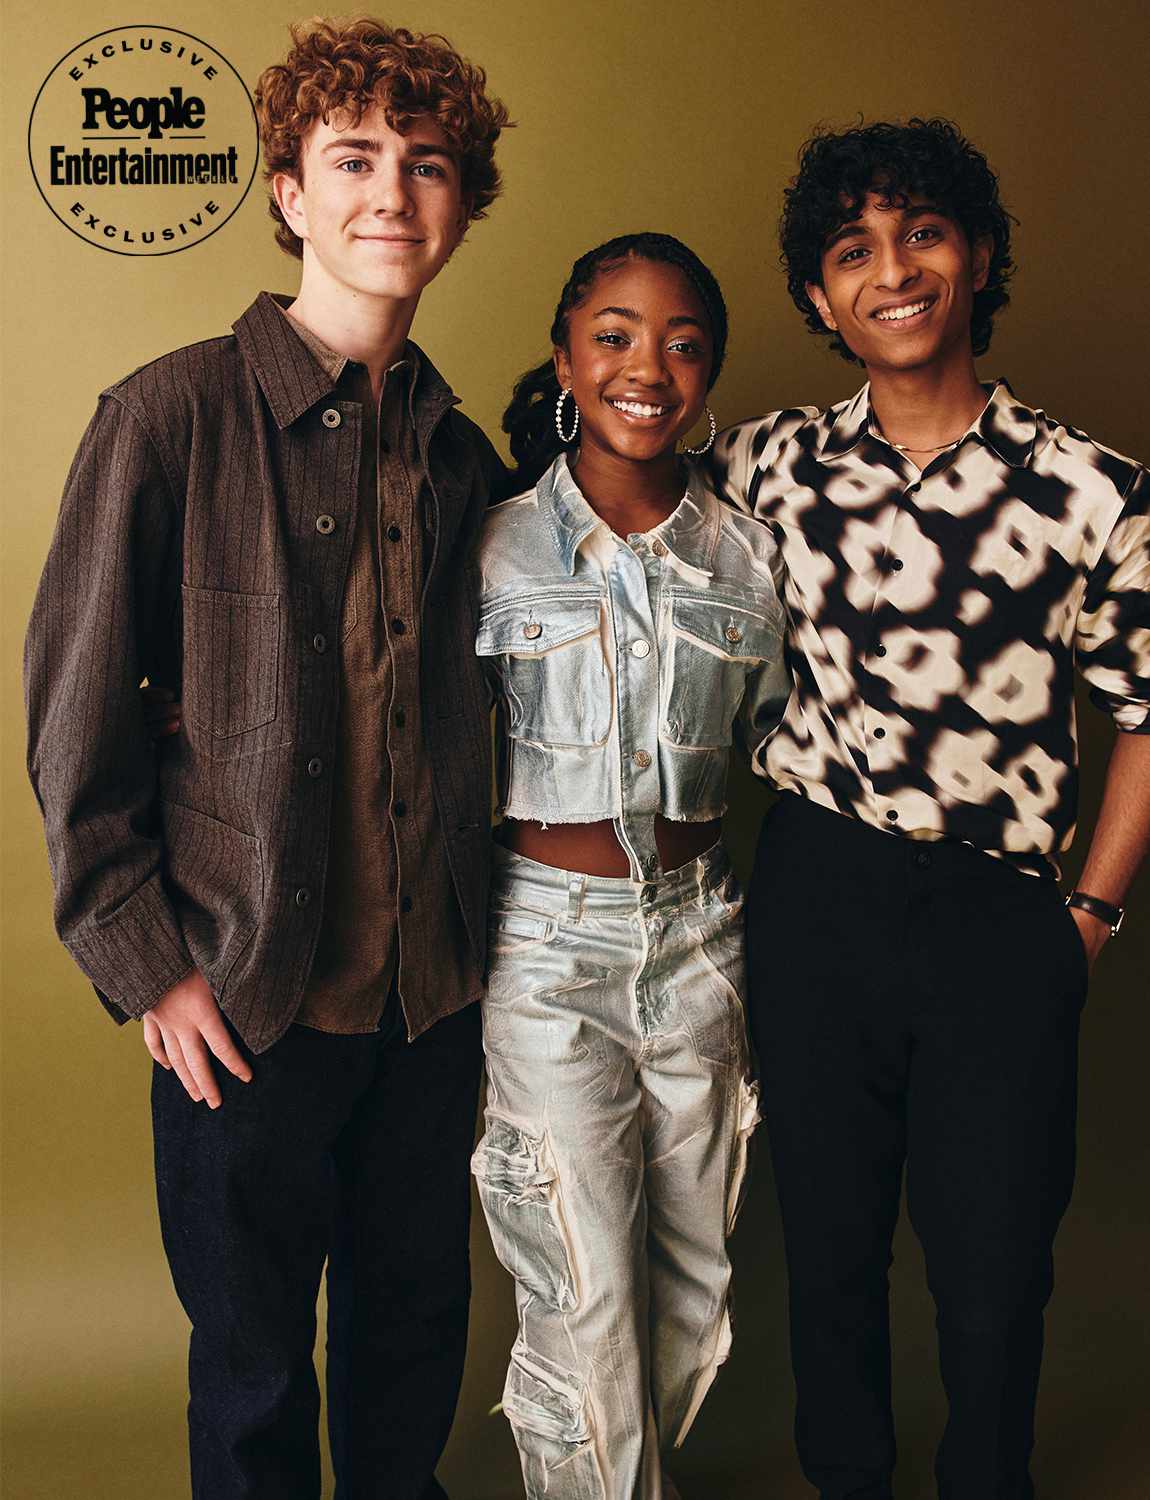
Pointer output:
x,y
400,808
302,896
659,548
325,525
896,564
640,648
642,759
331,418
892,816
400,718
398,626
393,533
733,634
922,859
406,903
880,650
880,733
319,643
315,766
533,630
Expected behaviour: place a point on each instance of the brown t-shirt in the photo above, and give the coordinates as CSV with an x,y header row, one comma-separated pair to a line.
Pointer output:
x,y
386,846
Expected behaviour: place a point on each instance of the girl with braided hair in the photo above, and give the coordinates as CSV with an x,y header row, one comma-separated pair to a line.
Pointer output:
x,y
630,624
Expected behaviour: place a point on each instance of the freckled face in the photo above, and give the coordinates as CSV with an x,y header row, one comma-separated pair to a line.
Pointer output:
x,y
898,284
379,213
638,358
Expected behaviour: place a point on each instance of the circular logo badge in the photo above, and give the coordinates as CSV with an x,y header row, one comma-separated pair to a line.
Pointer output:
x,y
143,140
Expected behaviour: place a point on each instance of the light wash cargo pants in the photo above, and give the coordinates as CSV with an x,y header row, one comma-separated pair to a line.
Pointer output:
x,y
618,1114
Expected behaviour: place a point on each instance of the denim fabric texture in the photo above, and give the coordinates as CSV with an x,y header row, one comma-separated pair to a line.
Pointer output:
x,y
619,1110
623,667
352,1149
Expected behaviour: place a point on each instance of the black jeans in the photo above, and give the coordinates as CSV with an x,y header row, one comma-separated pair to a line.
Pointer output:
x,y
913,1003
353,1148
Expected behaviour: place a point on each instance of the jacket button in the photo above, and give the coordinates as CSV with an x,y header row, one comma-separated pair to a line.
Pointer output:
x,y
325,525
302,896
398,626
880,650
733,634
394,533
896,564
892,816
315,766
640,648
331,418
319,643
642,759
533,630
659,548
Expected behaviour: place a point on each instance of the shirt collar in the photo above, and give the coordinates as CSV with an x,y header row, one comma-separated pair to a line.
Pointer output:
x,y
1004,425
690,532
295,371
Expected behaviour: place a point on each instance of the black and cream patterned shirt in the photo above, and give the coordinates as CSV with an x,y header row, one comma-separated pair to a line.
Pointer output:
x,y
935,618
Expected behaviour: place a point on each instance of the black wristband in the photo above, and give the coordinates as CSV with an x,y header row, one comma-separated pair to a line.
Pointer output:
x,y
1103,910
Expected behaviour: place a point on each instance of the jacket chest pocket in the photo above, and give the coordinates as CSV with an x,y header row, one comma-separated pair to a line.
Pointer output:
x,y
552,669
713,646
231,665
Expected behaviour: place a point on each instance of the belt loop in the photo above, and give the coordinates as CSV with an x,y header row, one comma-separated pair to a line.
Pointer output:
x,y
575,889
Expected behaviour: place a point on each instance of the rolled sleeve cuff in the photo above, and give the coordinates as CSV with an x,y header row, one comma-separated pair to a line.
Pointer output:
x,y
136,955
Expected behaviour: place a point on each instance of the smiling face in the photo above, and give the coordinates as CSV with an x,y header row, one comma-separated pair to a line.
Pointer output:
x,y
637,360
898,284
379,213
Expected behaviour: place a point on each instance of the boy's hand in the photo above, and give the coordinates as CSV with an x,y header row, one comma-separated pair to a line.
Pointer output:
x,y
180,1031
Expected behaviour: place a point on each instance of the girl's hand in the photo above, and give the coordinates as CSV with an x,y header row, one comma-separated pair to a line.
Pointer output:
x,y
161,711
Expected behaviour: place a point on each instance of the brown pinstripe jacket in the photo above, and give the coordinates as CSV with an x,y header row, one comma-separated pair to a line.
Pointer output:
x,y
203,540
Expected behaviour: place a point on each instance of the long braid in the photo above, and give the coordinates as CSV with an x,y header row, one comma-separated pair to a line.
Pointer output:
x,y
529,419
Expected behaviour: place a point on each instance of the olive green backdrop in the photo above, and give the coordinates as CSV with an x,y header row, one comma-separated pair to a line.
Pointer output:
x,y
683,117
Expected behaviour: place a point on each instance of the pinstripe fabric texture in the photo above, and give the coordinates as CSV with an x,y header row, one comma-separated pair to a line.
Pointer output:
x,y
203,541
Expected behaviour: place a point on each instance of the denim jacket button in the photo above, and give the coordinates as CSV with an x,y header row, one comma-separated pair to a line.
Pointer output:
x,y
642,759
533,630
331,418
640,648
659,548
733,634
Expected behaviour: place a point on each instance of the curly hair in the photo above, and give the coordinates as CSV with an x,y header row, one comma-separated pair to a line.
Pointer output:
x,y
339,67
529,419
931,159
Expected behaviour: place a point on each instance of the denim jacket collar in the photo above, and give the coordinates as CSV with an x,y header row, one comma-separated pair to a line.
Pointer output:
x,y
689,533
1004,425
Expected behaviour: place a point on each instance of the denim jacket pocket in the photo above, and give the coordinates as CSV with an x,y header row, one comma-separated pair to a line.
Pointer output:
x,y
713,645
553,673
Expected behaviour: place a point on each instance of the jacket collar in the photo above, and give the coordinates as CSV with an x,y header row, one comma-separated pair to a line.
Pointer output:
x,y
1004,425
690,532
293,377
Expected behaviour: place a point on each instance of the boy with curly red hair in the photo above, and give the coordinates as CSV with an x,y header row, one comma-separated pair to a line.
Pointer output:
x,y
291,898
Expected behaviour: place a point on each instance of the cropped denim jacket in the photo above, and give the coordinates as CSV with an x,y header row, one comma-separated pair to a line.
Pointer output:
x,y
621,669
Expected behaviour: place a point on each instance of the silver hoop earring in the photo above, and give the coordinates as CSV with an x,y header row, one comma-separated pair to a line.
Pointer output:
x,y
565,437
711,438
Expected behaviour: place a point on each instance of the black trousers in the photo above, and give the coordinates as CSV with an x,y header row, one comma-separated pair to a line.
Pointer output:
x,y
913,1004
353,1148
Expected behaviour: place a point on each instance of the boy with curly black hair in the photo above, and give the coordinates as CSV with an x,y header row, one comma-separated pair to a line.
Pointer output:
x,y
915,977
